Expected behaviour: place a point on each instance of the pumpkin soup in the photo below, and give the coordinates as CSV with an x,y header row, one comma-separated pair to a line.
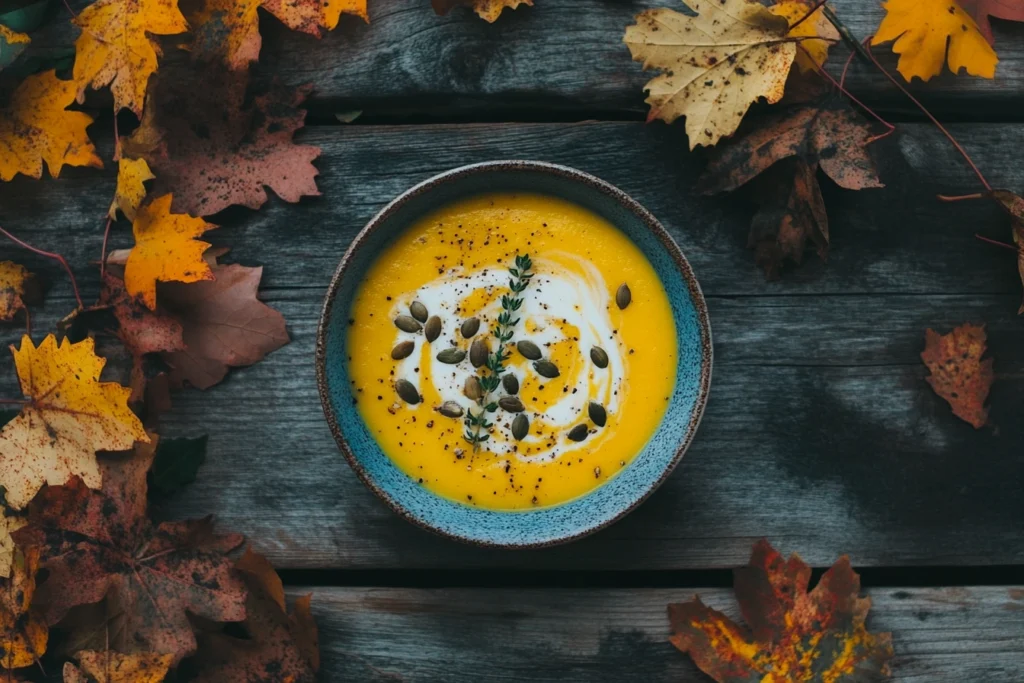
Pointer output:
x,y
512,351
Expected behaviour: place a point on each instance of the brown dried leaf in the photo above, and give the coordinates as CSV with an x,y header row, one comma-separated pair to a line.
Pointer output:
x,y
958,374
113,667
23,636
16,285
141,330
981,10
1015,206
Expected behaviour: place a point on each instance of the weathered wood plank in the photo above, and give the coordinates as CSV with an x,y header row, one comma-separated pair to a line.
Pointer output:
x,y
559,55
940,635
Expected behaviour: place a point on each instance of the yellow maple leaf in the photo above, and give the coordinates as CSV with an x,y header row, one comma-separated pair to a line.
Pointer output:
x,y
114,47
489,10
114,667
11,45
165,250
815,26
923,28
333,9
131,189
35,127
69,416
714,65
23,635
12,287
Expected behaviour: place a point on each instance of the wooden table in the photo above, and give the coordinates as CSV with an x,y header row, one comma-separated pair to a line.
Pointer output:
x,y
821,433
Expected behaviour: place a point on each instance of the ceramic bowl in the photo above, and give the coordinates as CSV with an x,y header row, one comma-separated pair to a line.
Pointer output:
x,y
544,526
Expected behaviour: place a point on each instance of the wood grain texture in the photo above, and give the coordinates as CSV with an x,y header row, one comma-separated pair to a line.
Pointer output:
x,y
821,433
558,58
940,635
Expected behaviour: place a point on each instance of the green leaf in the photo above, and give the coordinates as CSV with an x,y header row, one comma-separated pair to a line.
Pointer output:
x,y
175,466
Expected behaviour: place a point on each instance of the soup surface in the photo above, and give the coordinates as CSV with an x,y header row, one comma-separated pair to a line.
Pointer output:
x,y
459,264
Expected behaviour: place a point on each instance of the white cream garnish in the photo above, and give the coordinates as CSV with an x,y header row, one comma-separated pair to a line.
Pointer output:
x,y
557,296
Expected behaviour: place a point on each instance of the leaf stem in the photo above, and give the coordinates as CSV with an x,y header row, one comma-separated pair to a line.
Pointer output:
x,y
959,198
821,70
103,250
56,257
846,33
997,243
818,5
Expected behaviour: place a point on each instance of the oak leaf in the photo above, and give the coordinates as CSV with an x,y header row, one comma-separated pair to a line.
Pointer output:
x,y
958,373
211,150
923,28
36,127
23,635
229,29
165,249
1014,204
100,544
115,47
69,416
817,25
114,667
225,325
132,175
284,643
714,65
16,285
981,10
828,135
488,10
795,635
12,44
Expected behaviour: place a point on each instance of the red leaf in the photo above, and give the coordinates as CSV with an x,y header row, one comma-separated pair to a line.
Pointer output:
x,y
959,375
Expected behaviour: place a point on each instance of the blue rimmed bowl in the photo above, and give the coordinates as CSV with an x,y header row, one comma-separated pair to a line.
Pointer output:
x,y
544,526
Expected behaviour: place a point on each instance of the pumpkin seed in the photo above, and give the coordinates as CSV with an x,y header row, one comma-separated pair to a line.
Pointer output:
x,y
511,383
578,433
407,391
432,330
546,368
470,327
408,324
473,390
402,350
450,409
418,311
478,352
511,404
520,427
451,356
599,357
623,296
529,350
597,413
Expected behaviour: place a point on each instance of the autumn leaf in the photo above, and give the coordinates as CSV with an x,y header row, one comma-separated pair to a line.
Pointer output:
x,y
9,523
714,65
229,29
115,47
958,374
489,10
981,10
69,416
241,149
165,250
36,127
923,28
795,635
132,175
16,285
22,632
140,330
12,44
1015,206
114,667
815,26
828,135
225,325
100,544
284,643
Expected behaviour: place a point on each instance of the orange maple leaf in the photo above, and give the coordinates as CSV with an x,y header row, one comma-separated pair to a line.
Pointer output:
x,y
69,416
488,10
796,636
12,44
923,28
114,47
165,250
35,127
959,375
815,26
114,667
23,635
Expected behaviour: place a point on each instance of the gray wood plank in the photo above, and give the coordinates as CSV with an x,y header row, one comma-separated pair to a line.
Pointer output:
x,y
940,635
821,433
560,55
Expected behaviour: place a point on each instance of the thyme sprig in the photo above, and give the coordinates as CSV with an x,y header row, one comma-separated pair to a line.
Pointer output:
x,y
477,425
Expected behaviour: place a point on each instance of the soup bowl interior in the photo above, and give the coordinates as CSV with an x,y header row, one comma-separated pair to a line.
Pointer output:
x,y
543,526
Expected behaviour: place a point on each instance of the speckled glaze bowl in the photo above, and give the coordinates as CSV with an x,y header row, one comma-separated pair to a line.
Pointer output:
x,y
545,526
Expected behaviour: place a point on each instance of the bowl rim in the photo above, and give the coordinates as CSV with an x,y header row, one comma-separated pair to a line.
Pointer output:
x,y
627,202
